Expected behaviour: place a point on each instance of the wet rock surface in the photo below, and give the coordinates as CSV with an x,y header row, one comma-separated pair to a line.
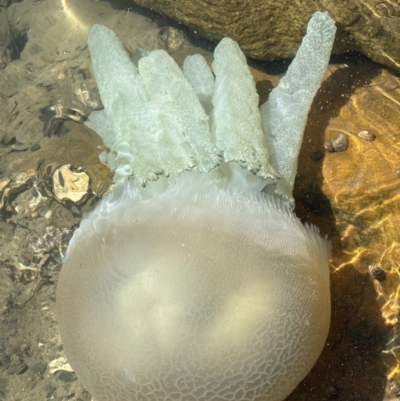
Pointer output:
x,y
50,175
273,29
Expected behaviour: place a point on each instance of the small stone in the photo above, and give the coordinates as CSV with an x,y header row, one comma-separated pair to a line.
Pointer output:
x,y
397,171
39,368
341,143
35,147
377,273
66,377
316,154
329,146
368,136
172,39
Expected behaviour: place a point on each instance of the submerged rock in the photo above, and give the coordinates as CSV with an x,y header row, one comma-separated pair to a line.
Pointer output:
x,y
368,26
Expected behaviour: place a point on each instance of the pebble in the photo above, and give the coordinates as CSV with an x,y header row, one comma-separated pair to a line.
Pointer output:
x,y
66,377
368,136
340,144
39,368
316,154
377,273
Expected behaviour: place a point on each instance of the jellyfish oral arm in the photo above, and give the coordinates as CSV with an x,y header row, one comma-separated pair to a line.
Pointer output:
x,y
149,105
284,115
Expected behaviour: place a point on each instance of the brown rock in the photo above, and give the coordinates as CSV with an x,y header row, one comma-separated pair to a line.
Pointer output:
x,y
375,27
273,29
254,24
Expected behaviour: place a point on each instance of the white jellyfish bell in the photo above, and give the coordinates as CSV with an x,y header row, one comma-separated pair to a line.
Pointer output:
x,y
194,280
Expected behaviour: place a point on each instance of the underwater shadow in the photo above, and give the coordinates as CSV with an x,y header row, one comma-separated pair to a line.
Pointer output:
x,y
351,365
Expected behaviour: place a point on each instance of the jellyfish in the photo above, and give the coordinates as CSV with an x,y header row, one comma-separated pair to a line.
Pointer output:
x,y
194,279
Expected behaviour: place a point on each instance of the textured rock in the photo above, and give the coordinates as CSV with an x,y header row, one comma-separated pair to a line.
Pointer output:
x,y
273,29
375,27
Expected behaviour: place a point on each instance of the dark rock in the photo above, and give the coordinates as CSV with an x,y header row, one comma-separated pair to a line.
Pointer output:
x,y
273,29
66,377
39,368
